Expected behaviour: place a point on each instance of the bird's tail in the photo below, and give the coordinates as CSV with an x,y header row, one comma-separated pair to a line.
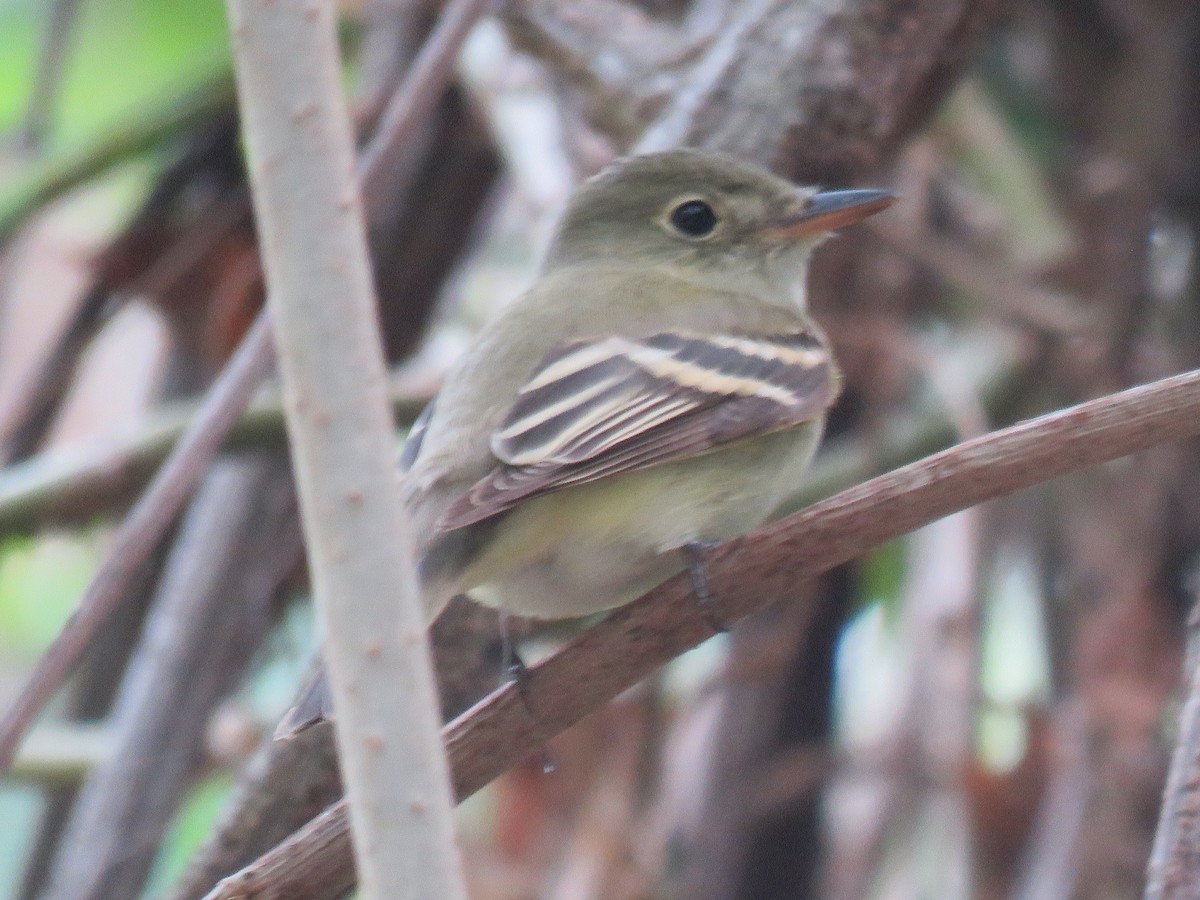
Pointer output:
x,y
314,703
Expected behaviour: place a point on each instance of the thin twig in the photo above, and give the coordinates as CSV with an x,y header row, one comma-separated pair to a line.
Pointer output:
x,y
74,484
300,151
299,777
185,466
144,527
421,90
216,598
746,573
1048,868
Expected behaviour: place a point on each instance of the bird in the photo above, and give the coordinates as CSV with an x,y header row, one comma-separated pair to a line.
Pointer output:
x,y
659,387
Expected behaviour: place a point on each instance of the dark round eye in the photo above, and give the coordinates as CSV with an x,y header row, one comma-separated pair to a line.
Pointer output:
x,y
695,218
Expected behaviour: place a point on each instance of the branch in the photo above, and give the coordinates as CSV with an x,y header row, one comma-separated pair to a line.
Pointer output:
x,y
72,485
237,543
152,123
419,93
61,21
141,531
1174,867
226,399
300,150
746,574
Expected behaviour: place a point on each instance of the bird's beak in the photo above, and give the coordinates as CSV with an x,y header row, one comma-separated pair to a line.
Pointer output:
x,y
829,210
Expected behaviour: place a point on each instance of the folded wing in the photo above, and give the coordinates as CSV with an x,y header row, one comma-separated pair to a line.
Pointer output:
x,y
595,408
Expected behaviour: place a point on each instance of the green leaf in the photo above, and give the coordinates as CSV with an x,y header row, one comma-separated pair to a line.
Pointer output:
x,y
41,580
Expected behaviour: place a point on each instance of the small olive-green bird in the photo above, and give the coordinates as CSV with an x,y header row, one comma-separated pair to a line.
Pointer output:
x,y
659,386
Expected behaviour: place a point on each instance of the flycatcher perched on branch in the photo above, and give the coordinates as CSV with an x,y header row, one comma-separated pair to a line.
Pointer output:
x,y
660,386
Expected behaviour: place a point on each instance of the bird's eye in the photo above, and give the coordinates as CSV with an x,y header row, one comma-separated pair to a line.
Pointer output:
x,y
694,218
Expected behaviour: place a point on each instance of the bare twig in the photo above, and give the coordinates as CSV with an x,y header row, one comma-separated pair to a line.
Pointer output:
x,y
180,473
301,161
623,63
208,615
1051,859
420,92
72,485
141,531
89,700
299,776
26,419
746,573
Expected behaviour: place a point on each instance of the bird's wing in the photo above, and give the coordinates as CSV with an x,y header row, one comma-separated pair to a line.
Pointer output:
x,y
416,437
594,408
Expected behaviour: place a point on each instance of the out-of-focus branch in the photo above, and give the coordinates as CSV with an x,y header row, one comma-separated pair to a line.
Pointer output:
x,y
70,486
1049,868
154,122
1174,868
300,776
180,473
144,527
300,150
420,91
819,91
746,574
622,63
208,615
61,17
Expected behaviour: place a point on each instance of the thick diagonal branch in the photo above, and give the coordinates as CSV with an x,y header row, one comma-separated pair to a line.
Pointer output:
x,y
746,573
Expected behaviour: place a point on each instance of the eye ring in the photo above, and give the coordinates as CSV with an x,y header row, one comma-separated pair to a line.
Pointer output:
x,y
693,218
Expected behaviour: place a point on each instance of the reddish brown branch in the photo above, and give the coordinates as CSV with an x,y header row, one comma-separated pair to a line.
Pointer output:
x,y
747,574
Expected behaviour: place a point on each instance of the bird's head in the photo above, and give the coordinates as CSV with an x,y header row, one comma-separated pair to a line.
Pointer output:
x,y
705,211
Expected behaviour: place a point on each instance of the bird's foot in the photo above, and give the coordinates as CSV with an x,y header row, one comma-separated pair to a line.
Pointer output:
x,y
513,665
693,555
518,674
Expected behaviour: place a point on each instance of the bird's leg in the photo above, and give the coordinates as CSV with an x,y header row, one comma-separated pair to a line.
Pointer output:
x,y
512,664
693,555
518,674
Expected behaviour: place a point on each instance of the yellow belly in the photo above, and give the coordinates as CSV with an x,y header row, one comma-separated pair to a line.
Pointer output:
x,y
585,549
